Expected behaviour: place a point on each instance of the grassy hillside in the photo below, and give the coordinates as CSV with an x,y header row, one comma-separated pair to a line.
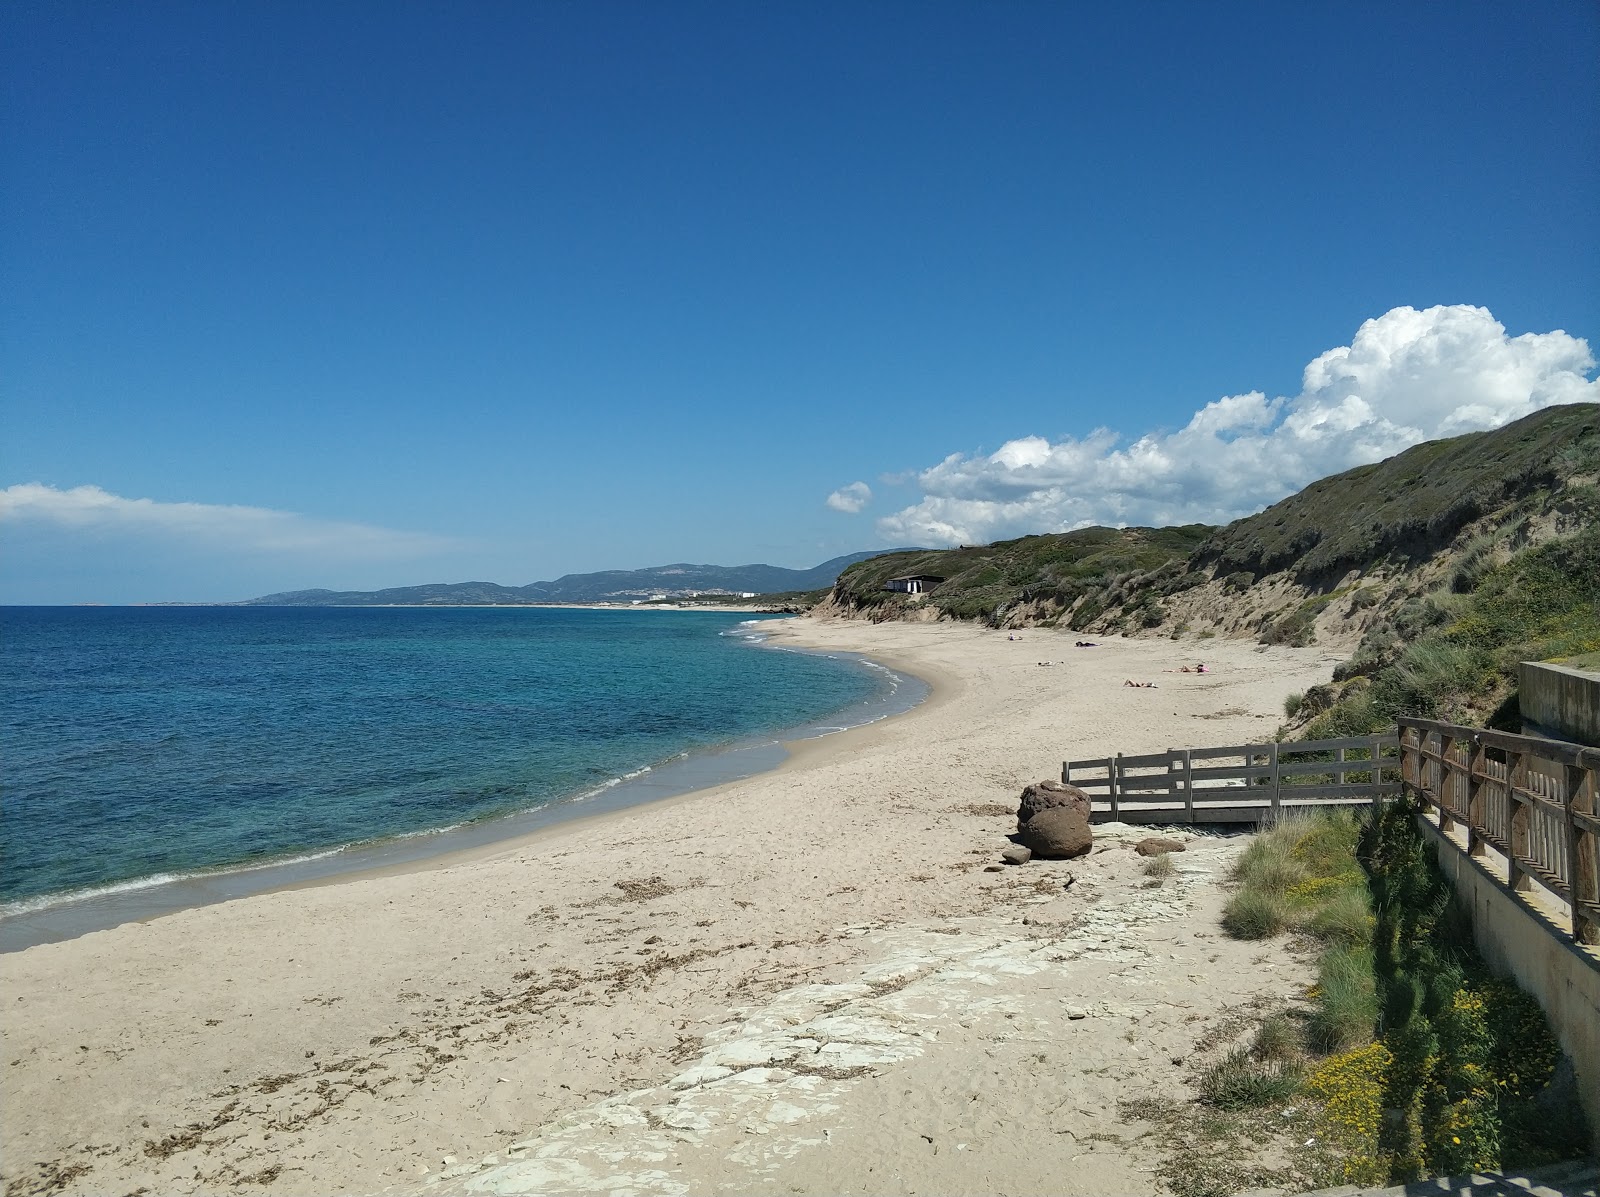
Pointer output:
x,y
1453,655
1409,507
1343,556
1035,576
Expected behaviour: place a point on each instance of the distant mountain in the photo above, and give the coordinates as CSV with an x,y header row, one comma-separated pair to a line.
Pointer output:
x,y
616,585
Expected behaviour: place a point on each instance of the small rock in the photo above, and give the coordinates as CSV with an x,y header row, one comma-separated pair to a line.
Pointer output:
x,y
1155,845
1016,854
994,868
1075,1013
450,1161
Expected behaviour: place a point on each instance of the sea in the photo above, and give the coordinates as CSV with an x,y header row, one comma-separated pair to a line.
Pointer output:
x,y
156,758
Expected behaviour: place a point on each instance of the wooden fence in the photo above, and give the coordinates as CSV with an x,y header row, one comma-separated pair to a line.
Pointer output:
x,y
1533,800
1241,783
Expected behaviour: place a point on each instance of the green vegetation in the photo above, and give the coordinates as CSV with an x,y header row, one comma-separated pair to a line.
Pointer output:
x,y
1247,1079
1087,571
1471,1051
1414,1059
1586,661
1516,486
1410,506
1454,656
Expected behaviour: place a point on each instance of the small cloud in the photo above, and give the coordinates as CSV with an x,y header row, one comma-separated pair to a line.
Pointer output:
x,y
1406,376
850,499
261,530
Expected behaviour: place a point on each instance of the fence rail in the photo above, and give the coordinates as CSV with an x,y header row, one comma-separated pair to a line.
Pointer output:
x,y
1238,783
1535,801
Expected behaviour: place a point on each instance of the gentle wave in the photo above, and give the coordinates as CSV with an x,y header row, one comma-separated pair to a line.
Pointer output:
x,y
134,884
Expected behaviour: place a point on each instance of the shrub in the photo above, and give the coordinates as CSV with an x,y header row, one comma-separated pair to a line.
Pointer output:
x,y
1429,674
1269,866
1291,703
1242,1081
1296,629
1347,1004
1350,1088
1353,715
1475,560
1458,1037
1346,918
1279,1038
1252,914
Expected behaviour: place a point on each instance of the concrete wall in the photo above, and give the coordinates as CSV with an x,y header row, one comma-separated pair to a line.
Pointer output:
x,y
1559,703
1537,953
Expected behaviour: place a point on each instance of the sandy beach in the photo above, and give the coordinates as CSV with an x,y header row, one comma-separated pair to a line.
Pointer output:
x,y
804,982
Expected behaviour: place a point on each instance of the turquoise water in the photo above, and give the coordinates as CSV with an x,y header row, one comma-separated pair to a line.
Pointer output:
x,y
143,745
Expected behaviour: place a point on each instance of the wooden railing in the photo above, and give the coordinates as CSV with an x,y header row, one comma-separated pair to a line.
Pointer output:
x,y
1533,800
1241,782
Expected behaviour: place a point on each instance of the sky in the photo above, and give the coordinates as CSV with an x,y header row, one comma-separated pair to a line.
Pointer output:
x,y
373,294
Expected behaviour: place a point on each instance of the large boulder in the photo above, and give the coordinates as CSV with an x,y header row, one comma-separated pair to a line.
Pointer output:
x,y
1057,833
1050,795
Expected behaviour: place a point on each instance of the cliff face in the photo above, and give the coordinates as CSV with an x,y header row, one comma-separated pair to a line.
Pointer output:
x,y
1331,564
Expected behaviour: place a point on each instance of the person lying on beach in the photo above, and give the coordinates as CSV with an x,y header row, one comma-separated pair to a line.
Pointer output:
x,y
1140,685
1084,644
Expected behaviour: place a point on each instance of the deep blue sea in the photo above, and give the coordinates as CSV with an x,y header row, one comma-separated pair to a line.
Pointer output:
x,y
143,744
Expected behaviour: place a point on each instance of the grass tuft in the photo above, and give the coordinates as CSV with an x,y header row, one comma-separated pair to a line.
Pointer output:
x,y
1251,914
1159,869
1347,1000
1243,1081
1346,918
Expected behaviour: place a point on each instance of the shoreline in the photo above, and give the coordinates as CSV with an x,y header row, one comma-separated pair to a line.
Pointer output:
x,y
690,773
777,985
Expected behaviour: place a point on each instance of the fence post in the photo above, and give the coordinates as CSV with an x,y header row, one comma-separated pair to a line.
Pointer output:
x,y
1377,774
1113,781
1447,781
1276,780
1188,786
1476,762
1583,884
1066,773
1517,812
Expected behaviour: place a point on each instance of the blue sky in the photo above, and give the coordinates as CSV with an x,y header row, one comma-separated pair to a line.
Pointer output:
x,y
359,295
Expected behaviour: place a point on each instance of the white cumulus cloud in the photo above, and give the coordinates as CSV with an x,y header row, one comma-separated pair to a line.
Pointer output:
x,y
1406,376
850,499
235,529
